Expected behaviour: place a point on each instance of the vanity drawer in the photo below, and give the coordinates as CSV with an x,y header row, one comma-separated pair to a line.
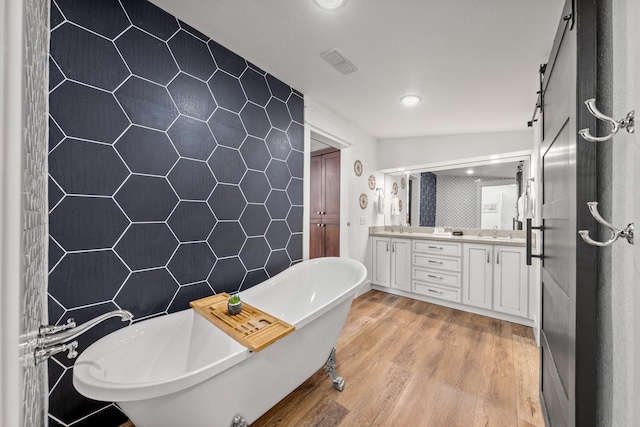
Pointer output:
x,y
451,264
441,248
437,277
436,292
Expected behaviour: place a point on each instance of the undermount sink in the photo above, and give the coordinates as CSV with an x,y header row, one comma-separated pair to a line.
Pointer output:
x,y
515,239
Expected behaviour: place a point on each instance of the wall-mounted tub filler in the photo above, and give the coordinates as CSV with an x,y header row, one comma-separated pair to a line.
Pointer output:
x,y
54,339
179,369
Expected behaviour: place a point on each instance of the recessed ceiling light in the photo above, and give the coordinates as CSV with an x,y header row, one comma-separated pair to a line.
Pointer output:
x,y
330,4
470,171
410,100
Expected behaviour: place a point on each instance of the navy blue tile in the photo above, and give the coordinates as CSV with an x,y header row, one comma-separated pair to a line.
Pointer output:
x,y
54,423
192,262
146,198
278,204
192,97
297,92
227,165
55,309
278,144
79,223
146,103
87,113
278,235
55,193
296,136
278,262
193,31
294,219
278,89
227,239
55,134
227,91
296,164
192,221
296,108
227,275
256,68
111,416
87,168
105,17
151,18
55,253
255,153
255,86
192,180
278,114
295,191
55,372
255,187
255,220
134,295
189,293
227,202
255,252
192,55
254,277
56,17
278,174
227,128
294,247
86,57
98,274
66,404
192,138
255,120
84,314
147,151
147,56
146,246
227,60
55,75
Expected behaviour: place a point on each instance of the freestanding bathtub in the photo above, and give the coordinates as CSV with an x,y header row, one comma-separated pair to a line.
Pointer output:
x,y
180,369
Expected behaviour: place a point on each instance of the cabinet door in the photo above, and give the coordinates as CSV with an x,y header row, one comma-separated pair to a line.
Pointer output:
x,y
401,264
331,180
510,283
477,275
331,239
316,239
381,261
316,200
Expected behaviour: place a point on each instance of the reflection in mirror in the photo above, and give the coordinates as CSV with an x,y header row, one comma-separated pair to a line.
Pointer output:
x,y
479,196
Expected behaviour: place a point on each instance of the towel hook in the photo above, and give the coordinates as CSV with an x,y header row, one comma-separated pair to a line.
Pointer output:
x,y
626,123
615,233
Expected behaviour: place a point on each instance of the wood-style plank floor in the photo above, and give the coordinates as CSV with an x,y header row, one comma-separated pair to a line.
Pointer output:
x,y
412,363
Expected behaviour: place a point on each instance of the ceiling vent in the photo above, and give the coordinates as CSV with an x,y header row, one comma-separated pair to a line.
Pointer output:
x,y
339,62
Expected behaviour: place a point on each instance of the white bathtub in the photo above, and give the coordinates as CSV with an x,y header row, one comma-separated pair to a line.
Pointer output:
x,y
180,369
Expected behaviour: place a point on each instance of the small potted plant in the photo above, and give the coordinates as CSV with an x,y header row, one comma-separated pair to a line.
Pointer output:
x,y
235,304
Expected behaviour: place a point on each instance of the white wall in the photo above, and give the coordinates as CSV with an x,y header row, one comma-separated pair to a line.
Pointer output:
x,y
415,152
355,145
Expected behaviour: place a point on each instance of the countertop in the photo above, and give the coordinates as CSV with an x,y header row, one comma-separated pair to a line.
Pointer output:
x,y
466,238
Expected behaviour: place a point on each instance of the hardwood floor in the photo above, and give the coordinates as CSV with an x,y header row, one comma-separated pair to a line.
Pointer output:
x,y
408,362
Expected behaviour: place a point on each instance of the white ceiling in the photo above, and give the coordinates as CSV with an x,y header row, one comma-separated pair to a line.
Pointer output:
x,y
473,62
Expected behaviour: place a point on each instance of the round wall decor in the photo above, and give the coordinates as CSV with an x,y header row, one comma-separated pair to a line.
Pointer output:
x,y
357,167
394,188
372,182
364,201
403,183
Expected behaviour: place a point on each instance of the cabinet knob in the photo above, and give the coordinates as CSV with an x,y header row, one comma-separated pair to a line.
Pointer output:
x,y
319,213
318,225
434,277
435,292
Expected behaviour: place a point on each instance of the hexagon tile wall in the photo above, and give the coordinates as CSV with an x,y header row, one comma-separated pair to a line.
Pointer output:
x,y
175,172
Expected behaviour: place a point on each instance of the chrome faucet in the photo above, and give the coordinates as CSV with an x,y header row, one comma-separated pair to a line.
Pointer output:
x,y
495,231
52,335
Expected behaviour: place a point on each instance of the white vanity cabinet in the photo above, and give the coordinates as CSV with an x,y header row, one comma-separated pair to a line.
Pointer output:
x,y
436,269
495,278
392,263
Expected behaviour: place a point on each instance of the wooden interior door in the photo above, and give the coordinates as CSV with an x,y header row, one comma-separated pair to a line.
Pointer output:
x,y
568,323
324,236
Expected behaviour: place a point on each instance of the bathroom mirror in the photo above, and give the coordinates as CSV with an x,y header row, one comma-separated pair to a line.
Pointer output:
x,y
480,195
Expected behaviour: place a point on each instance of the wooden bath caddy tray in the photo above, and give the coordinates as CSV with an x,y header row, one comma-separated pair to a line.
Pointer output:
x,y
252,327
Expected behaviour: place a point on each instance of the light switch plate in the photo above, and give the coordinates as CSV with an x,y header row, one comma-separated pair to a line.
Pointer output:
x,y
363,220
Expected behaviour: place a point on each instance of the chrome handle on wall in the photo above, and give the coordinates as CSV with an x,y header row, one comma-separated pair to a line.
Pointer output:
x,y
615,232
616,125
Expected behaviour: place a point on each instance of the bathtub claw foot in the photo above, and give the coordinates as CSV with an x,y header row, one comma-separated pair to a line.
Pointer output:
x,y
330,368
238,421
